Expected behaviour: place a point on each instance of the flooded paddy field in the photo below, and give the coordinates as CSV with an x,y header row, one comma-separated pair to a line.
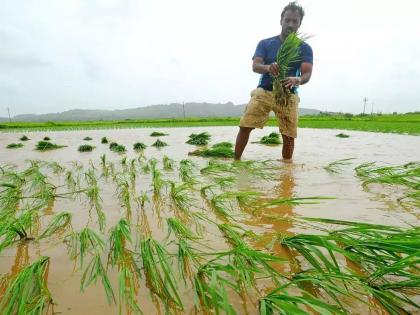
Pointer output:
x,y
159,230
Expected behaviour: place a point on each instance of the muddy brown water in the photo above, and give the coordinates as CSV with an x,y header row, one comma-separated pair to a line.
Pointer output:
x,y
304,177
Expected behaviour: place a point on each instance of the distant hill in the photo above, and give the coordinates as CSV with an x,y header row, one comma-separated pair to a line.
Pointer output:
x,y
174,110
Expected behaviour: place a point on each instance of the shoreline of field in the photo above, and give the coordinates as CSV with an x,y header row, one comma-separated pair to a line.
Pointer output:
x,y
408,124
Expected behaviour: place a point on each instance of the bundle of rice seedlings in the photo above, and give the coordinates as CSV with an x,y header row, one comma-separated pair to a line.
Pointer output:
x,y
112,145
46,145
181,196
14,145
58,223
87,138
158,134
24,138
158,144
342,135
334,167
27,291
287,56
272,138
138,146
47,139
199,139
86,148
223,149
115,147
186,169
104,140
157,181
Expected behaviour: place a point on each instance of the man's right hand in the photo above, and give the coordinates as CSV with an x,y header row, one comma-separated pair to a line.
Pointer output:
x,y
273,69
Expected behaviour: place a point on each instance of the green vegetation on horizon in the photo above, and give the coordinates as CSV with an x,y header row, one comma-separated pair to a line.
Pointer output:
x,y
401,123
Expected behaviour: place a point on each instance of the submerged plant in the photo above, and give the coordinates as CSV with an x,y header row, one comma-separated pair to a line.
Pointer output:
x,y
272,138
223,149
158,134
138,146
87,138
46,145
14,145
115,147
24,138
199,139
46,138
104,140
342,135
85,148
159,144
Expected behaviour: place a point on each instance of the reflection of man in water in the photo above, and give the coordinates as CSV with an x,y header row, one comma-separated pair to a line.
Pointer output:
x,y
262,101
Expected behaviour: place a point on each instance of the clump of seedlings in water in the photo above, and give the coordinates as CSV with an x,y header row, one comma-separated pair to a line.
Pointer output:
x,y
222,149
159,144
273,139
24,138
199,139
342,135
104,140
14,145
138,146
46,145
115,147
158,134
86,148
168,163
87,138
334,167
46,139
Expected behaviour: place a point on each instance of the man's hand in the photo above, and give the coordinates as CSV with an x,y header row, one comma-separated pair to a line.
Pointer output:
x,y
291,82
273,69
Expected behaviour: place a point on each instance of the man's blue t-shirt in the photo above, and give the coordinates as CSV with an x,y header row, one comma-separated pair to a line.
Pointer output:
x,y
267,50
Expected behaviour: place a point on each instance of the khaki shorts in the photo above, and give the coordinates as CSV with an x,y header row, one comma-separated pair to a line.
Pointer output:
x,y
259,107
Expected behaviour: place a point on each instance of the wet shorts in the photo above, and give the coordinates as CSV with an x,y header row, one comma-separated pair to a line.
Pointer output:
x,y
259,107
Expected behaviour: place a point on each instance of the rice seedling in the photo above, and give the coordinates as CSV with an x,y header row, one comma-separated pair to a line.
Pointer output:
x,y
138,146
104,140
158,134
180,196
79,244
159,144
199,139
14,145
46,145
186,169
272,139
287,56
187,258
87,138
157,181
56,168
59,223
13,229
46,138
86,148
158,272
223,149
334,167
112,145
92,192
342,135
24,138
124,193
115,147
168,163
181,231
27,292
223,144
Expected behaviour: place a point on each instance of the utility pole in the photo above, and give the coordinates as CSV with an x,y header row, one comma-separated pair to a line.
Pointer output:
x,y
8,111
364,104
183,109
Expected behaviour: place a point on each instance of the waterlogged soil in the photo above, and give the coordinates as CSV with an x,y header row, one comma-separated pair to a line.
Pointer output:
x,y
305,176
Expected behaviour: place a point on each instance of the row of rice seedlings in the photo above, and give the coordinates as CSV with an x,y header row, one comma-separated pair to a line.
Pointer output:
x,y
85,148
158,134
92,192
27,292
222,149
14,146
335,166
199,139
46,146
272,139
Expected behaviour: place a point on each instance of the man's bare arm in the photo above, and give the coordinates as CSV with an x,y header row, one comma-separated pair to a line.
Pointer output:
x,y
258,66
306,72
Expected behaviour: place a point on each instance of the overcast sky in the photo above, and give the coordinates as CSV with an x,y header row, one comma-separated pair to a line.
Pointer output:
x,y
116,54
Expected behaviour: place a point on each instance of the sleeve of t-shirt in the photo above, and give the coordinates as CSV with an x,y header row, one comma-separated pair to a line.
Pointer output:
x,y
306,53
260,51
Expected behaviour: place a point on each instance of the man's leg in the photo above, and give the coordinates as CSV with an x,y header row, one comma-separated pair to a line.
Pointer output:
x,y
241,141
288,147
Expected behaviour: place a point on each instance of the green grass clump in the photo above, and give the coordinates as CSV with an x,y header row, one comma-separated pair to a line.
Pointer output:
x,y
138,146
199,139
159,144
24,138
86,148
223,149
272,138
104,140
14,145
158,134
87,138
46,145
115,147
342,135
46,139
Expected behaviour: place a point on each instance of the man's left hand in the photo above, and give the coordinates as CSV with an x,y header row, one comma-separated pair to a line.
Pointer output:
x,y
291,82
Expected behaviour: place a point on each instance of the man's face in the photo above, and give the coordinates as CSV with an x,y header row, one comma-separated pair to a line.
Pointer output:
x,y
290,22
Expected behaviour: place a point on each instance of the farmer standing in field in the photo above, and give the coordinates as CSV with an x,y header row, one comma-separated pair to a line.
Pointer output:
x,y
262,100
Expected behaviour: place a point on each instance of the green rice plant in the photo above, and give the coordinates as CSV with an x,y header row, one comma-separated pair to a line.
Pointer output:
x,y
138,146
112,145
223,144
14,145
181,231
46,139
104,140
188,258
159,144
158,134
87,138
118,148
334,167
46,145
79,244
56,168
287,56
92,192
180,196
24,138
86,148
199,139
104,165
58,223
157,181
342,135
223,149
27,292
292,201
13,229
159,274
186,170
168,163
119,235
225,203
273,139
123,189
